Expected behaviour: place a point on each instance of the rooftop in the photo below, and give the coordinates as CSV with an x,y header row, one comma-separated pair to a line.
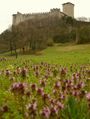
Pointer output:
x,y
68,3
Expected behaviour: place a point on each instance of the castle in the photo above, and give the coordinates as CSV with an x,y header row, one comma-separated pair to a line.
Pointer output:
x,y
68,10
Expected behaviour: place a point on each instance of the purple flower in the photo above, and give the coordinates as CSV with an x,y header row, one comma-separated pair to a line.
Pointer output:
x,y
57,85
52,101
24,72
54,110
60,105
18,88
75,93
46,112
8,72
37,73
42,82
80,85
45,96
40,91
63,72
75,77
62,97
32,108
28,93
34,87
88,96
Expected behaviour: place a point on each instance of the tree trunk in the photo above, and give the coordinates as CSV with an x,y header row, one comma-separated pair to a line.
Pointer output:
x,y
11,46
77,35
16,51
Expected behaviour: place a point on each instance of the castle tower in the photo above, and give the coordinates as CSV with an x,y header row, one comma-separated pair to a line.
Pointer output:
x,y
68,9
17,18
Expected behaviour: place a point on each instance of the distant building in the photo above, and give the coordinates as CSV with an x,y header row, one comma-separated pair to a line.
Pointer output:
x,y
68,10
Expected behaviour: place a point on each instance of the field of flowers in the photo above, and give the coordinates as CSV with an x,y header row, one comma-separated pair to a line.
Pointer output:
x,y
44,90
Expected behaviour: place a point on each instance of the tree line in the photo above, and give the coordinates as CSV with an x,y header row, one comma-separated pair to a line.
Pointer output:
x,y
37,34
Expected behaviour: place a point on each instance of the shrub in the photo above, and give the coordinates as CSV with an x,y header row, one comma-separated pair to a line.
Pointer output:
x,y
84,35
50,42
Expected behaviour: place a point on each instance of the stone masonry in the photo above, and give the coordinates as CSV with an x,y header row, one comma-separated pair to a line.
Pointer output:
x,y
68,10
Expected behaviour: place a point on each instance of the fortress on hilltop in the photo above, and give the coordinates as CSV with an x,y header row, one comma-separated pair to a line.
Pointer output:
x,y
68,10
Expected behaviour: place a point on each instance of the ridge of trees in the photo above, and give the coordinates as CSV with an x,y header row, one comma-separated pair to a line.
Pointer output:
x,y
37,34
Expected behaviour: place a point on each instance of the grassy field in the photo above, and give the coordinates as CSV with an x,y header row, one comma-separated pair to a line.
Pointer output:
x,y
71,54
52,84
63,54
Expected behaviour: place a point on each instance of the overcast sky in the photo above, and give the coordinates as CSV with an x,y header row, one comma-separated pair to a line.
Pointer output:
x,y
9,7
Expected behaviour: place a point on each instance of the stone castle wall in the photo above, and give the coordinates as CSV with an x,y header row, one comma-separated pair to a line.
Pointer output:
x,y
68,9
19,17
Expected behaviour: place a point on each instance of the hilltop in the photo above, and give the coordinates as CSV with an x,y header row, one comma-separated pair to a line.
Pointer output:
x,y
39,33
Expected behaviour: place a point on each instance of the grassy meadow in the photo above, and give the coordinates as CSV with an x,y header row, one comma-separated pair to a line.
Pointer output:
x,y
51,84
66,55
61,54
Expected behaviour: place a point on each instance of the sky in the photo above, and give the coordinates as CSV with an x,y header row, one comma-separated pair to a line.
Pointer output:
x,y
9,7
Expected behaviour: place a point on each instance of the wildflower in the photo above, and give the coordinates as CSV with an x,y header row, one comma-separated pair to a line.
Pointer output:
x,y
32,108
46,112
62,97
54,92
52,101
75,77
42,83
8,72
45,96
40,91
80,85
79,75
88,96
37,73
28,93
54,110
5,108
63,72
57,85
18,88
24,72
34,87
82,93
75,93
60,105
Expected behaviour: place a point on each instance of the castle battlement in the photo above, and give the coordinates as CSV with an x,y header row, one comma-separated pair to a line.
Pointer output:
x,y
68,9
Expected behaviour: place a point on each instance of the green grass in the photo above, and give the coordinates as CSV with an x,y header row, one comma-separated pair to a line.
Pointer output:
x,y
13,103
67,54
63,54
